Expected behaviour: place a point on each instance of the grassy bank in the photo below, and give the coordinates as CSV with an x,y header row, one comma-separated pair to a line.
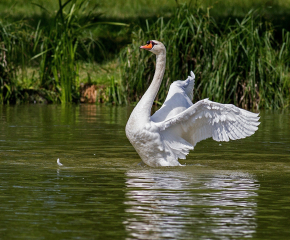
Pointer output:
x,y
48,50
49,58
238,63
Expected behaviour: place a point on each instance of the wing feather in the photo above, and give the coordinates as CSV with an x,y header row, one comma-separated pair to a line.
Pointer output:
x,y
178,99
207,119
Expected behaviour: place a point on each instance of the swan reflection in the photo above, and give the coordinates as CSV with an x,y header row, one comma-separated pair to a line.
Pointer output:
x,y
178,204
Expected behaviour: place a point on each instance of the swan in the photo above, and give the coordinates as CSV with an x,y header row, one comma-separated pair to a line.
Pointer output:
x,y
173,130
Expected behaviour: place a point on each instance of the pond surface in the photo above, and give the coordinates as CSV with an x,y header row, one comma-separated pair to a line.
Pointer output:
x,y
234,190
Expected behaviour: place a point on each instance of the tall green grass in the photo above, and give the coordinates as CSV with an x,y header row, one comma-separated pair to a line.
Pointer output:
x,y
13,55
63,44
58,46
238,63
55,49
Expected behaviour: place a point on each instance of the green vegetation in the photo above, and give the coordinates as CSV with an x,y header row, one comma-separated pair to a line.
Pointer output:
x,y
55,50
239,55
58,48
241,64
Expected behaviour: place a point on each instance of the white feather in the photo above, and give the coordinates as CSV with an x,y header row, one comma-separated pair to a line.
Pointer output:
x,y
58,162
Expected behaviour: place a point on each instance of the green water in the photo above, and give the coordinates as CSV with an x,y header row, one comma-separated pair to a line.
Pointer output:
x,y
234,190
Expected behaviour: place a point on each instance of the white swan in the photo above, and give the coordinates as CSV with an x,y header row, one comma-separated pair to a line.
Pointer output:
x,y
172,131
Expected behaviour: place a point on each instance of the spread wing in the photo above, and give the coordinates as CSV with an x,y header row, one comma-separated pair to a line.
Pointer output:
x,y
206,119
178,99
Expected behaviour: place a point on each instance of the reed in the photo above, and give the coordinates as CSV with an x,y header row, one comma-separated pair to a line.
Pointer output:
x,y
64,44
55,49
238,63
14,49
58,49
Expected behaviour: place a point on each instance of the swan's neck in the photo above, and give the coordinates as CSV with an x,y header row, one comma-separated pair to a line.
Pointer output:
x,y
143,108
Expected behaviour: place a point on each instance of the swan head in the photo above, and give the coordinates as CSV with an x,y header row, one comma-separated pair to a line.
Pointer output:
x,y
154,46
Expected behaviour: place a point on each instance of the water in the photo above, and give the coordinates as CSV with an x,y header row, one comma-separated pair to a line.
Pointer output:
x,y
234,190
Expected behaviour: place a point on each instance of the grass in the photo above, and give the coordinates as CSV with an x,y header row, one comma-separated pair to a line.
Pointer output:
x,y
12,54
58,47
240,63
124,9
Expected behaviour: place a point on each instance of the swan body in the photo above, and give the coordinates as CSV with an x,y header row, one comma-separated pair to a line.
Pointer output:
x,y
172,131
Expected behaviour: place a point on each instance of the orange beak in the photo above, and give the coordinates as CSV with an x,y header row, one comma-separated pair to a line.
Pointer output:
x,y
148,46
